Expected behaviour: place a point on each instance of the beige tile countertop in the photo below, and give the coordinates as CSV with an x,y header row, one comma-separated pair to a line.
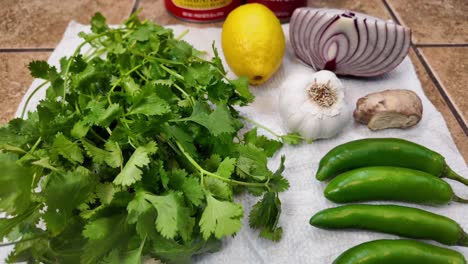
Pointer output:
x,y
30,29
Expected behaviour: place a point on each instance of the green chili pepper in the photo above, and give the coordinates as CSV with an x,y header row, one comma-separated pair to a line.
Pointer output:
x,y
384,152
393,219
399,251
389,183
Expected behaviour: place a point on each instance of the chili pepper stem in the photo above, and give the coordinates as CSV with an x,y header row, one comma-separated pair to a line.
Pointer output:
x,y
459,199
463,241
449,173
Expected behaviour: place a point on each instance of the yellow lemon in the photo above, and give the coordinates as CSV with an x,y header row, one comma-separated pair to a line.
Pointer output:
x,y
253,42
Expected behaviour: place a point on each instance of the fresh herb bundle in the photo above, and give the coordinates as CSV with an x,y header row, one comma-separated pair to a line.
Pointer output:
x,y
135,151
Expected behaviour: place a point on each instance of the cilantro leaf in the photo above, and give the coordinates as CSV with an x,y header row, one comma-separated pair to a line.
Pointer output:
x,y
217,122
198,73
131,172
15,185
172,252
220,218
145,227
277,182
8,224
193,190
98,23
164,176
218,188
142,33
293,139
63,193
252,163
219,92
114,158
98,246
181,50
226,168
105,192
80,129
18,132
138,206
98,155
112,258
99,228
150,105
265,216
183,138
212,163
127,257
67,149
44,163
131,86
177,178
268,145
242,87
99,115
109,115
39,69
173,217
111,156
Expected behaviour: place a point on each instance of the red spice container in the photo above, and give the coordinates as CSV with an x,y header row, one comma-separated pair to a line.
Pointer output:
x,y
283,9
201,10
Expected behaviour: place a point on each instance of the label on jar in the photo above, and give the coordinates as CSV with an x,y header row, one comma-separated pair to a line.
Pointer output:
x,y
201,5
201,10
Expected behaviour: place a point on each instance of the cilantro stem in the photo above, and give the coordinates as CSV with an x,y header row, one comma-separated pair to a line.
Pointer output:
x,y
214,175
67,68
284,138
142,76
173,73
182,35
22,241
97,135
261,126
38,141
131,143
112,90
253,184
94,54
119,80
23,111
184,93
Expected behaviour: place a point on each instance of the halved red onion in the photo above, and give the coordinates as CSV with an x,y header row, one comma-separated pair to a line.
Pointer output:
x,y
347,43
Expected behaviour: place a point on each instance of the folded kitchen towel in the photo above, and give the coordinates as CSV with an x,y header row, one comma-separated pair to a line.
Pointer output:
x,y
302,243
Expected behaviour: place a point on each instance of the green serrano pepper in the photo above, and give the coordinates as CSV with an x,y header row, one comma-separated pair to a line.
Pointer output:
x,y
389,183
392,219
384,152
402,251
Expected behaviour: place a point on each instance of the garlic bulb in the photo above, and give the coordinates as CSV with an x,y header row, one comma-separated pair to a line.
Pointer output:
x,y
313,104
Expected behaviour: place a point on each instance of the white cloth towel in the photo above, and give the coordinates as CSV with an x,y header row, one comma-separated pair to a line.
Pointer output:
x,y
302,243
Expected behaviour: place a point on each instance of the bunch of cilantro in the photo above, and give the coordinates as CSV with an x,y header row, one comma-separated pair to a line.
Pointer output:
x,y
134,152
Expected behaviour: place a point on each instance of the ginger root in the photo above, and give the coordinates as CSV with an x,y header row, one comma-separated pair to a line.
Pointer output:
x,y
389,109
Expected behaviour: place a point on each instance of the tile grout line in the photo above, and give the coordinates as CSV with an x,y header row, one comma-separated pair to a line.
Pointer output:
x,y
441,90
432,76
442,45
390,10
422,45
8,50
12,50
